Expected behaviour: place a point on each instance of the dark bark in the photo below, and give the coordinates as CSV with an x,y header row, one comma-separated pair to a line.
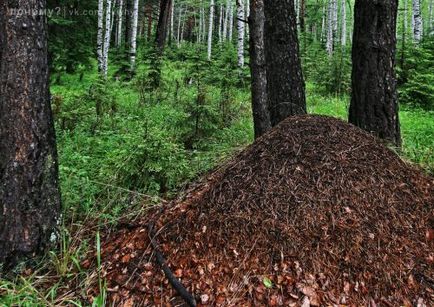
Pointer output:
x,y
261,115
285,83
374,105
163,21
29,193
128,15
150,9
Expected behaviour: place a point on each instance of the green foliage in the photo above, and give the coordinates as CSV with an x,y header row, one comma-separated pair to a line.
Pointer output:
x,y
332,74
417,76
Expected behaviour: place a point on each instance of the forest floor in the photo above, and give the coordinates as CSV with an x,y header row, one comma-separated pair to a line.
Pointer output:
x,y
123,153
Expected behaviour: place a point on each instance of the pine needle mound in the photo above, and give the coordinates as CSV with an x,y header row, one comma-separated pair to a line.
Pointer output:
x,y
315,212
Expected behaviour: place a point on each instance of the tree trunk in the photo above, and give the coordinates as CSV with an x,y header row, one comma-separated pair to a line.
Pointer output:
x,y
133,38
119,27
285,84
417,21
261,115
211,23
220,23
323,24
231,22
128,14
374,105
29,192
172,20
226,21
330,42
178,35
344,23
302,15
240,29
163,21
100,36
107,36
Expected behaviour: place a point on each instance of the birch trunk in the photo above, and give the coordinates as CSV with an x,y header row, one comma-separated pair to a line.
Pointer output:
x,y
323,21
172,20
225,25
335,20
203,24
344,23
220,23
133,40
120,20
240,29
330,14
100,35
231,22
108,16
417,21
261,114
211,23
178,33
247,15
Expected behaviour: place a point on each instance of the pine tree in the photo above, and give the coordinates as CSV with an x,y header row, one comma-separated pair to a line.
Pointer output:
x,y
29,187
374,105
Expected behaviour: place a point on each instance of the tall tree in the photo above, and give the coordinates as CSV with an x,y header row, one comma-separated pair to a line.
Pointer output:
x,y
285,83
119,25
100,35
344,23
133,37
417,21
261,115
29,192
210,29
241,33
226,21
107,36
330,36
374,105
163,21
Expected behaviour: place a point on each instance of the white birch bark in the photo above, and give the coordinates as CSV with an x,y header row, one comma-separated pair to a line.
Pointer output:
x,y
178,35
344,23
133,40
417,21
241,32
226,21
120,21
203,24
247,15
231,22
108,16
100,35
323,28
335,18
330,14
172,19
211,23
220,23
